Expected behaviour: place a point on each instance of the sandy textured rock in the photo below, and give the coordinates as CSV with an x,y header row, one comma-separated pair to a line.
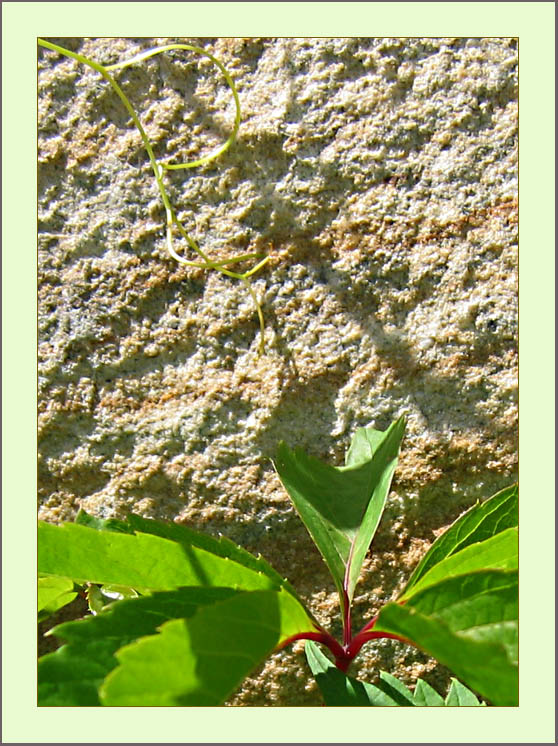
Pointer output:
x,y
381,175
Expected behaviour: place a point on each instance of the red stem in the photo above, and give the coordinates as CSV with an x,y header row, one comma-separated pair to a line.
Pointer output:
x,y
366,634
322,636
346,653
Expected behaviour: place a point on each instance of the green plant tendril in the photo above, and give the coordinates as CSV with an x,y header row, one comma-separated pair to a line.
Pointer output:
x,y
159,167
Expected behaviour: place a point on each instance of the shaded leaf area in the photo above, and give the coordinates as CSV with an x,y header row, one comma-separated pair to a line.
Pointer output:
x,y
71,676
481,522
158,557
461,603
189,654
342,506
53,593
340,690
468,623
200,661
221,547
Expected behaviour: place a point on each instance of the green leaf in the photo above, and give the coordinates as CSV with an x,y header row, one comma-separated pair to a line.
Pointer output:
x,y
498,552
460,696
95,599
71,676
468,623
479,523
102,524
363,444
200,661
221,547
340,690
152,563
53,593
147,562
426,696
384,454
392,687
341,506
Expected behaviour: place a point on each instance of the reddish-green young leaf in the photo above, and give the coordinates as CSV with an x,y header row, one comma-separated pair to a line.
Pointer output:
x,y
341,506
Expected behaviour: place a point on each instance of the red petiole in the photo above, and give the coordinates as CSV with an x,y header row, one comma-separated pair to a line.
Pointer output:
x,y
346,653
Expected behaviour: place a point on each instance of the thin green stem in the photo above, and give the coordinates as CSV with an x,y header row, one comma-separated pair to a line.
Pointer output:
x,y
103,71
259,312
159,168
167,48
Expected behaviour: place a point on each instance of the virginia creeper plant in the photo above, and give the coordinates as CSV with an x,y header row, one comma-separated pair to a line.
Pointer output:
x,y
181,618
159,167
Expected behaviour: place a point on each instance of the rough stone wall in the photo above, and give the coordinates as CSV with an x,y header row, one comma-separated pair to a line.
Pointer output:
x,y
381,175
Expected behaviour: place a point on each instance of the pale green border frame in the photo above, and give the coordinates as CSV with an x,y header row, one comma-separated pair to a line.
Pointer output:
x,y
533,721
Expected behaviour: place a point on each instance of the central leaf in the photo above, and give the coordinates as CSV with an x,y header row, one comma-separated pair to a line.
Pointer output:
x,y
342,506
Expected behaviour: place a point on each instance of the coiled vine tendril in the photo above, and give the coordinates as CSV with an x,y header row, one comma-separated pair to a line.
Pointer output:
x,y
160,167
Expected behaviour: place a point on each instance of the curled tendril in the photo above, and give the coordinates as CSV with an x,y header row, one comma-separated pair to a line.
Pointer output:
x,y
159,168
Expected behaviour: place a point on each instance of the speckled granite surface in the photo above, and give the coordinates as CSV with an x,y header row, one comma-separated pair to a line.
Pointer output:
x,y
381,175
